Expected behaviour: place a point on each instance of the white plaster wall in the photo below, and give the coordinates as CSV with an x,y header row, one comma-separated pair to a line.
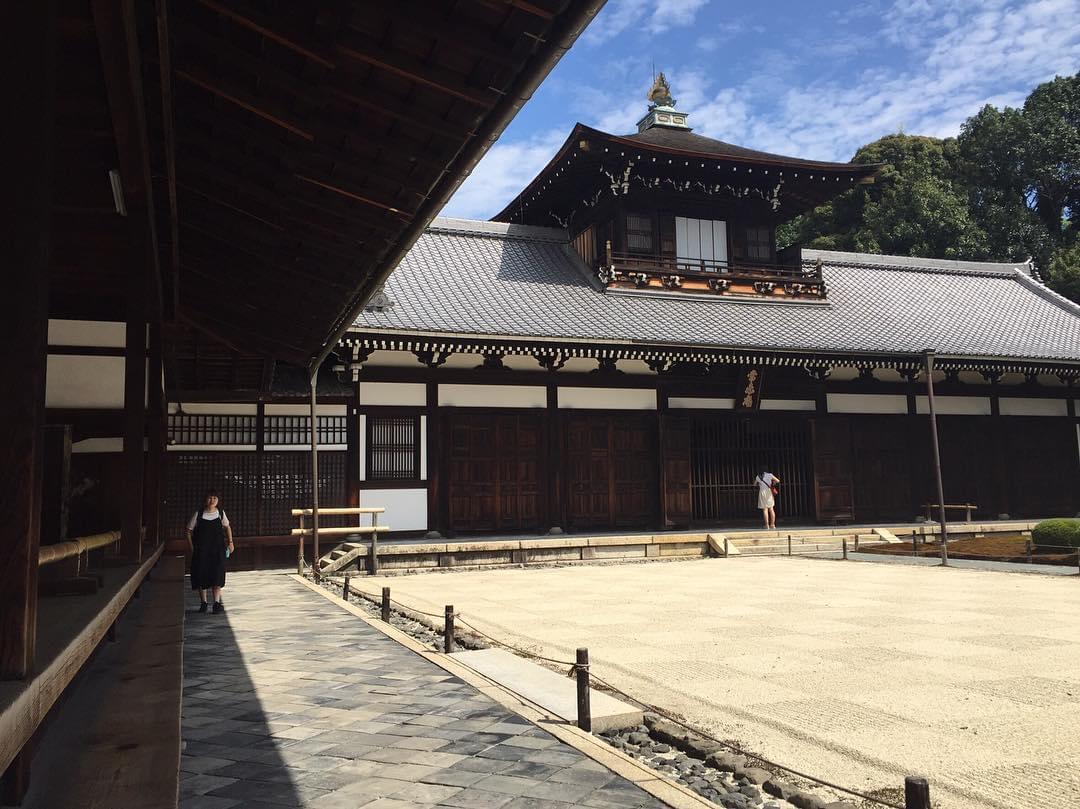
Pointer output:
x,y
843,373
699,403
1033,407
100,334
406,509
637,367
89,382
93,445
517,362
607,398
398,394
396,359
232,448
216,408
955,405
492,396
866,403
303,409
789,404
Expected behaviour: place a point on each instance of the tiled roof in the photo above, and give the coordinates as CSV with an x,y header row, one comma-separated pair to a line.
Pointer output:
x,y
488,278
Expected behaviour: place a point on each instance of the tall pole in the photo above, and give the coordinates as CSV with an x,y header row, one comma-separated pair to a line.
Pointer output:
x,y
929,356
314,476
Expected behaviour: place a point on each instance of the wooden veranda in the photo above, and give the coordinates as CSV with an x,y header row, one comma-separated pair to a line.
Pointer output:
x,y
231,180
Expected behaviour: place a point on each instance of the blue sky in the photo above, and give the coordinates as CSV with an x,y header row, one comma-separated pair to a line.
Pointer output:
x,y
808,79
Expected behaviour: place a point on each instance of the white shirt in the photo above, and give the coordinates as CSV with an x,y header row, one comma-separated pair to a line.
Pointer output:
x,y
765,481
207,515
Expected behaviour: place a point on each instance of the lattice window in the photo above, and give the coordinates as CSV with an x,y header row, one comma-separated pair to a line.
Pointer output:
x,y
188,428
393,447
286,484
235,475
758,243
639,233
296,430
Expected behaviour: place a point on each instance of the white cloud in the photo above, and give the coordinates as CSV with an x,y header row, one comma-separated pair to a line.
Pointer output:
x,y
504,171
651,16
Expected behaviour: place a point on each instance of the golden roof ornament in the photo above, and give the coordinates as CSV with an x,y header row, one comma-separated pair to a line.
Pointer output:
x,y
662,112
660,94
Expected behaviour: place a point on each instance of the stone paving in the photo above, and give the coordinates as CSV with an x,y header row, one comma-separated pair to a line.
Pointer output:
x,y
290,701
857,673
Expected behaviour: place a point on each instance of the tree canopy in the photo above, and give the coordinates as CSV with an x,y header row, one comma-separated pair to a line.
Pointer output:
x,y
1007,188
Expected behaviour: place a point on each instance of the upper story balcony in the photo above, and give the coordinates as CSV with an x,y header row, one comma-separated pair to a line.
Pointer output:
x,y
788,278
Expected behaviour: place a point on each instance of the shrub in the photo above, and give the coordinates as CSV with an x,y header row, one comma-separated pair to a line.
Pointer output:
x,y
1056,532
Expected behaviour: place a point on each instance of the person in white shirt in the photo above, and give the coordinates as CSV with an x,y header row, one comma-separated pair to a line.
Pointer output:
x,y
210,541
766,483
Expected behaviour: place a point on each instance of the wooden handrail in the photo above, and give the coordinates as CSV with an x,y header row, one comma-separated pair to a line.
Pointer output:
x,y
684,265
48,554
332,512
340,531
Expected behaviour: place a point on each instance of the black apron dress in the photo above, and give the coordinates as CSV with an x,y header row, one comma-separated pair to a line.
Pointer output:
x,y
207,553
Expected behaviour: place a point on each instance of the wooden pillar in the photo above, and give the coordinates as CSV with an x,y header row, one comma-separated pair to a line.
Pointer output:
x,y
998,448
155,458
28,77
352,452
556,515
260,466
29,80
56,474
435,510
131,517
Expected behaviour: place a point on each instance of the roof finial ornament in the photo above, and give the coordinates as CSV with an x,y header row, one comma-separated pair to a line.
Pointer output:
x,y
662,112
660,94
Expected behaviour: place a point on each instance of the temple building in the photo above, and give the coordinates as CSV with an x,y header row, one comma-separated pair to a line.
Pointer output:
x,y
625,347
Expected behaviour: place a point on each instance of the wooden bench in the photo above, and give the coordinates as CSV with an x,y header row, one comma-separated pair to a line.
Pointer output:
x,y
967,507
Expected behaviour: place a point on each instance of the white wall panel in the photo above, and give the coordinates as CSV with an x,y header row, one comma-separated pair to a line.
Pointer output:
x,y
699,403
406,509
90,445
100,334
1033,407
216,408
90,382
955,405
607,398
303,409
866,403
789,404
492,396
400,394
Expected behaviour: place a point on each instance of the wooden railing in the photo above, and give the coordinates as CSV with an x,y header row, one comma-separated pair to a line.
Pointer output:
x,y
48,554
686,266
308,531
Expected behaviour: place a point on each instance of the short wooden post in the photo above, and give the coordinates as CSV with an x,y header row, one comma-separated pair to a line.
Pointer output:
x,y
916,793
725,548
1027,549
914,543
448,629
1078,561
789,544
584,706
300,549
373,565
856,543
345,588
386,604
845,547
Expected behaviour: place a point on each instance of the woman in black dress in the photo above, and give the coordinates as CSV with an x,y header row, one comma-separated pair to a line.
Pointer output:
x,y
209,535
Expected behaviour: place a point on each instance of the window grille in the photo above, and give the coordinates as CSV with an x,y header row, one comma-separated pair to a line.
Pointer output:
x,y
295,430
758,244
393,451
639,233
185,428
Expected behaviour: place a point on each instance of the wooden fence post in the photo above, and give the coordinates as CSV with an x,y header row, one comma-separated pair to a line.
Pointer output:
x,y
789,544
386,604
845,547
584,706
1027,549
448,629
916,793
345,588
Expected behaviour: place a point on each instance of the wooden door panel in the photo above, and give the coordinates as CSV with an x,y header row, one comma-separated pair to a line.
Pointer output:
x,y
833,469
611,470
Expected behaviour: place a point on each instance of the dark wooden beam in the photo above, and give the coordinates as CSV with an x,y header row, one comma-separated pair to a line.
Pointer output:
x,y
156,435
408,113
227,91
442,25
253,21
364,49
29,80
168,128
405,215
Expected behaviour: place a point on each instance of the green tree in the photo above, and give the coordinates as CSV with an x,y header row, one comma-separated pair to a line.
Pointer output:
x,y
1062,273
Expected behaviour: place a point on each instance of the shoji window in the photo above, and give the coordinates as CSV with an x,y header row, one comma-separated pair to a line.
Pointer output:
x,y
701,244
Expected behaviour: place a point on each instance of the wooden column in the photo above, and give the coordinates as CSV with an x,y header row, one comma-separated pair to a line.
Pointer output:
x,y
260,465
556,513
28,77
998,448
352,451
131,517
56,474
435,504
155,458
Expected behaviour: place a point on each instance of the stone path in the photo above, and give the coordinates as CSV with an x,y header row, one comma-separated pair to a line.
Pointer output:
x,y
292,702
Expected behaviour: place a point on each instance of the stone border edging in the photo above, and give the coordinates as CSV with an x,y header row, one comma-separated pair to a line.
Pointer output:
x,y
674,795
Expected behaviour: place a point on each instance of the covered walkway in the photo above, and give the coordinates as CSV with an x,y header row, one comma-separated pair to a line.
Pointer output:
x,y
291,702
